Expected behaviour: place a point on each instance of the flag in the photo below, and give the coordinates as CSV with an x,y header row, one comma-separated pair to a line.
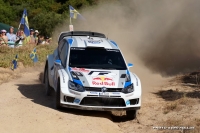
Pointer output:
x,y
14,63
17,42
24,21
74,13
33,56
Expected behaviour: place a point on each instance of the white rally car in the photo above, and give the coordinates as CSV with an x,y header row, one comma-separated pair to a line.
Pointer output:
x,y
88,71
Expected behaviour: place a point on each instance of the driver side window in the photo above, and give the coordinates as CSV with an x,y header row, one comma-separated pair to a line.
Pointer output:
x,y
60,46
64,53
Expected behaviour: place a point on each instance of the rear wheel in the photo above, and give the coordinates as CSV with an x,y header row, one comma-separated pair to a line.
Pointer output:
x,y
47,86
57,102
131,114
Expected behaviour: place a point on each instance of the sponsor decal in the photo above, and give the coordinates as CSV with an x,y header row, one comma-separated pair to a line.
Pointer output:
x,y
77,48
128,102
95,93
103,83
116,93
104,94
94,41
102,78
105,73
80,70
136,79
114,50
63,76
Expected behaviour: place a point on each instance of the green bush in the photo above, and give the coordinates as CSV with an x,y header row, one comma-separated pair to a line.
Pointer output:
x,y
43,15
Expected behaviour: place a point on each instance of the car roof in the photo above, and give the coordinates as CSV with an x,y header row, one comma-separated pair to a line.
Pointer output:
x,y
84,41
87,39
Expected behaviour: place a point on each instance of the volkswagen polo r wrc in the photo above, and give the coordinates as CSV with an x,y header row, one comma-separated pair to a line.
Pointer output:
x,y
88,72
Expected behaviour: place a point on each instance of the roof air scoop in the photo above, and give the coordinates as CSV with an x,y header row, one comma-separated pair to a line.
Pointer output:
x,y
93,43
88,37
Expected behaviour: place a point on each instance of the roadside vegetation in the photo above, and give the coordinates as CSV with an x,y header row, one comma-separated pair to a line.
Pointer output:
x,y
8,54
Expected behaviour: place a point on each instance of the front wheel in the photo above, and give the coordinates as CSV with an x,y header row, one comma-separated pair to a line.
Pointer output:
x,y
57,101
47,86
131,114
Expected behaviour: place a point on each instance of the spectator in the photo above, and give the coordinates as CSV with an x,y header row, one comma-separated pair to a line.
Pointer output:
x,y
22,35
20,38
5,38
32,38
11,37
47,40
1,39
41,40
36,37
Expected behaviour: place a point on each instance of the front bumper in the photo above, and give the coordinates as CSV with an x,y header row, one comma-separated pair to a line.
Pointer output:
x,y
89,100
99,108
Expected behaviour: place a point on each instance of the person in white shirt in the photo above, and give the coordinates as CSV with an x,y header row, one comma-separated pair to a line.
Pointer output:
x,y
11,37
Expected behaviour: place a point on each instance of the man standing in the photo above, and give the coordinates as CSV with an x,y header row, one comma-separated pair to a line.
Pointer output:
x,y
11,37
32,38
36,36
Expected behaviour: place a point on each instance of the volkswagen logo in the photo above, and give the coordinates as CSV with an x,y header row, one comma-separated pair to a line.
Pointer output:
x,y
103,89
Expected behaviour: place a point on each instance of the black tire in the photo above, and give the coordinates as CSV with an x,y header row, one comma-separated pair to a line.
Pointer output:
x,y
57,102
131,114
46,81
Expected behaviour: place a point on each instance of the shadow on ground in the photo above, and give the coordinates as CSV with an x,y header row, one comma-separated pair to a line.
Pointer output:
x,y
171,95
36,92
191,79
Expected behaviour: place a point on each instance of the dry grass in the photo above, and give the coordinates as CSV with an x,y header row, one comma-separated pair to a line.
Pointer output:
x,y
170,107
8,75
172,122
179,104
8,54
186,101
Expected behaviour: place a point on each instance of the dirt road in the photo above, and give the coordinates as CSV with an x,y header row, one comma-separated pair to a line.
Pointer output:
x,y
24,108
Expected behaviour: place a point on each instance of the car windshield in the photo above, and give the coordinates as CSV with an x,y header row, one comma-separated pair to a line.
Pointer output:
x,y
96,58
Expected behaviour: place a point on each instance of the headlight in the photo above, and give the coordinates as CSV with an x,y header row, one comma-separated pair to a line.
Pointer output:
x,y
74,76
128,78
76,87
128,89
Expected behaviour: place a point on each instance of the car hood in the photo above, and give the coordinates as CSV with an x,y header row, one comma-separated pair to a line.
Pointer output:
x,y
100,77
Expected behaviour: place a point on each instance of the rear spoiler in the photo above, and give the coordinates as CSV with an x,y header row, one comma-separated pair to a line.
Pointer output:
x,y
80,33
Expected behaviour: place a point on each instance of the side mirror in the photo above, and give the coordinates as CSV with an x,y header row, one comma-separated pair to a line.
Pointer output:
x,y
57,62
130,65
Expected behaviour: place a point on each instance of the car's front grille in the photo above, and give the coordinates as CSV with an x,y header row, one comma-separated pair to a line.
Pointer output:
x,y
98,89
103,101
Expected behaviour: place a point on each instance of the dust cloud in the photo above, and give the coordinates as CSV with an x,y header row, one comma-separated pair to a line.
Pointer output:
x,y
160,37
